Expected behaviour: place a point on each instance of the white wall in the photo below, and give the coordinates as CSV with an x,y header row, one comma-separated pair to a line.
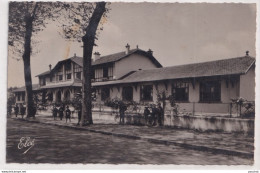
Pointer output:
x,y
131,63
247,85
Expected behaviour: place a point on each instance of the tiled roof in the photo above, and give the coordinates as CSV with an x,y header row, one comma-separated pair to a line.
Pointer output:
x,y
115,57
233,66
44,73
60,85
107,59
121,55
34,88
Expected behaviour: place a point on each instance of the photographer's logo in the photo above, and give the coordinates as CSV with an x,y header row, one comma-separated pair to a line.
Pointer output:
x,y
25,142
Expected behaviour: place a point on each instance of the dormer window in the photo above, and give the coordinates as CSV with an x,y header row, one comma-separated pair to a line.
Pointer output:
x,y
78,71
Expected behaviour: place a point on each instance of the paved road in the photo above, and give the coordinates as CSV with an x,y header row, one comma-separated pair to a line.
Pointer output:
x,y
59,145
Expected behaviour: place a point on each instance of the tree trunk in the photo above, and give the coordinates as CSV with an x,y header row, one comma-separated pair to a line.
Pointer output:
x,y
27,68
88,43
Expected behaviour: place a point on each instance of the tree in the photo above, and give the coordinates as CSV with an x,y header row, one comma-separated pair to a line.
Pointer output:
x,y
26,19
86,18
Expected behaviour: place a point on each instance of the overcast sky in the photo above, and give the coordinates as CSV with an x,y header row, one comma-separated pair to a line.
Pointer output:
x,y
178,33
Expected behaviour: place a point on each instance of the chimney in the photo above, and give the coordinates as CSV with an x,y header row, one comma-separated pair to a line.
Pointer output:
x,y
150,52
50,67
75,55
127,49
96,56
247,53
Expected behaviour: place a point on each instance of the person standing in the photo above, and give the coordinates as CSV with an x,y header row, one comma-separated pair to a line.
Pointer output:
x,y
54,112
122,109
23,110
61,112
154,114
160,113
68,113
146,114
16,110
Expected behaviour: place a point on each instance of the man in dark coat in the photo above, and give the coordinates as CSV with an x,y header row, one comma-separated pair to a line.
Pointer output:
x,y
61,112
23,110
67,112
122,109
154,114
160,113
146,114
54,112
16,110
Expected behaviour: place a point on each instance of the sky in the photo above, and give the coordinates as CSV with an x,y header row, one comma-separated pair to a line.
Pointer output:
x,y
178,33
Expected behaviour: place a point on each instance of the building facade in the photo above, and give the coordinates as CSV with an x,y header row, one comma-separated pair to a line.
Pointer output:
x,y
135,75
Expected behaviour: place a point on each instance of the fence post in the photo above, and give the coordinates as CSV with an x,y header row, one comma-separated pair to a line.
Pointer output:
x,y
193,108
230,110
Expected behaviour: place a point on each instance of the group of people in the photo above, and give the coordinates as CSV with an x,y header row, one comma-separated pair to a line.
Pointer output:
x,y
154,115
67,111
22,110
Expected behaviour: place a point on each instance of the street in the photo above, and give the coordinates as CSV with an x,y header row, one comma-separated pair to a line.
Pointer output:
x,y
53,144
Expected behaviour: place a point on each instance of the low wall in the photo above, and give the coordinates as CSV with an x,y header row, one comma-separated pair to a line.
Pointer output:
x,y
210,123
202,123
188,122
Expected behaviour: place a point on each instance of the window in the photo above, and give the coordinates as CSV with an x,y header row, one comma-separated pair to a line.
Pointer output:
x,y
78,75
60,77
210,91
105,93
147,92
23,96
110,73
77,70
105,72
127,93
43,81
180,91
18,97
68,76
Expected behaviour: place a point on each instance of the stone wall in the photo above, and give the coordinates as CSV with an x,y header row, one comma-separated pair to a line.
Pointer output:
x,y
210,123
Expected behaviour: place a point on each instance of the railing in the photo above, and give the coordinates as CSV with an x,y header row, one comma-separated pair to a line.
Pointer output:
x,y
102,79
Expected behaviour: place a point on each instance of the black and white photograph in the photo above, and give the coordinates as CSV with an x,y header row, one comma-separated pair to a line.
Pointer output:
x,y
123,83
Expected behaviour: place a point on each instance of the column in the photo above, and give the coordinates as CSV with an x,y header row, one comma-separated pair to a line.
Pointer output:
x,y
63,72
72,71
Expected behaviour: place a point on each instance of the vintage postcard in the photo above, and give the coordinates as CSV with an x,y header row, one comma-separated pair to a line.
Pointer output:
x,y
116,83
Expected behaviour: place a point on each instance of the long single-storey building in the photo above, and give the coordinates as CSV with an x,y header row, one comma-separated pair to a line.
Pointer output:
x,y
136,75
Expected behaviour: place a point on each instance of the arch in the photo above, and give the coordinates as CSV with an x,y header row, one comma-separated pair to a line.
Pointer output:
x,y
67,95
58,96
50,96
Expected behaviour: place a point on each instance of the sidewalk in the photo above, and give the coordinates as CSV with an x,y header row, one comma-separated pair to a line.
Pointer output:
x,y
224,143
